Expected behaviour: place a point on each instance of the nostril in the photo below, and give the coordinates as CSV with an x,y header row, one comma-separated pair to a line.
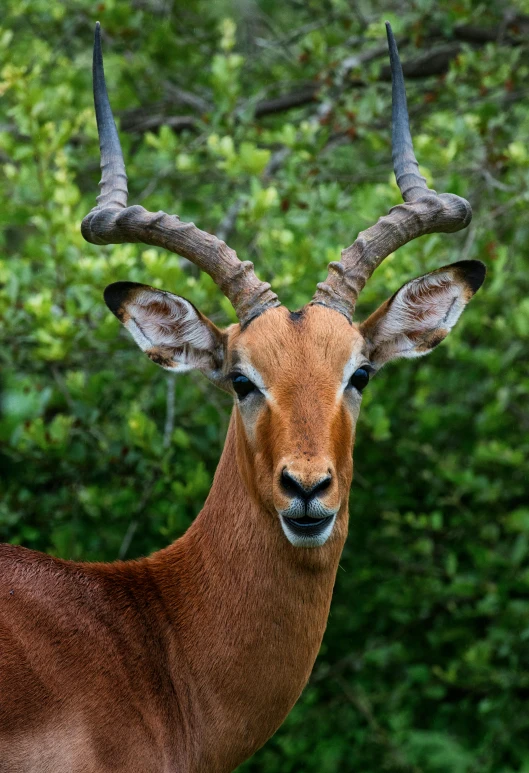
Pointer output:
x,y
291,486
321,486
294,488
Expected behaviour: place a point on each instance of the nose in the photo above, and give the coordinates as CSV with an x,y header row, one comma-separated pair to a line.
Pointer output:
x,y
294,487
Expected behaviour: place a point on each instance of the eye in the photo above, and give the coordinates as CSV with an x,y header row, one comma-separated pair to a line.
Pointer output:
x,y
242,385
360,379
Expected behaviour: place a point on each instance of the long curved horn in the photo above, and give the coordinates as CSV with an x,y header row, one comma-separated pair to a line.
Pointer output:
x,y
423,212
113,222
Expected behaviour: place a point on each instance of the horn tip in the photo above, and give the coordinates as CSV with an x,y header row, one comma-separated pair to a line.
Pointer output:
x,y
98,56
390,35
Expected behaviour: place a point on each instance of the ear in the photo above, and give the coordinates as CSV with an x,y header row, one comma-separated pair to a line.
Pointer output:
x,y
169,329
417,318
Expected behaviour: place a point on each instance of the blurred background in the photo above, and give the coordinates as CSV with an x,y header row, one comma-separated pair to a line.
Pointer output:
x,y
268,123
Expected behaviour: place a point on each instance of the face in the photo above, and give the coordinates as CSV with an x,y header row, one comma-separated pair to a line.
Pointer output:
x,y
297,381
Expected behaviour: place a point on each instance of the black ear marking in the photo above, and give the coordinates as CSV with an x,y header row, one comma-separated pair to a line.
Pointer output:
x,y
117,293
472,272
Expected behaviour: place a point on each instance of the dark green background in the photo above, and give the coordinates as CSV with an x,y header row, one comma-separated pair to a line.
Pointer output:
x,y
425,663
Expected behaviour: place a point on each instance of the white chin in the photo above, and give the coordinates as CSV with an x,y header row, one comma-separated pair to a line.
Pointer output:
x,y
297,537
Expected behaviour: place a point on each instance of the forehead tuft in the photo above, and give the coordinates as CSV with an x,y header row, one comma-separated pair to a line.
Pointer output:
x,y
296,316
311,339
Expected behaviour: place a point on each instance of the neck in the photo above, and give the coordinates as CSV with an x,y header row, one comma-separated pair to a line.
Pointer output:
x,y
249,611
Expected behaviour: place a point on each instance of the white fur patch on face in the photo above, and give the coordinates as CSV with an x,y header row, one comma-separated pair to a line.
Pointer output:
x,y
306,541
354,362
245,368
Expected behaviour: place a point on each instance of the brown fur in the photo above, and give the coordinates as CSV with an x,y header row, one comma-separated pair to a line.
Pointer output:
x,y
189,660
304,428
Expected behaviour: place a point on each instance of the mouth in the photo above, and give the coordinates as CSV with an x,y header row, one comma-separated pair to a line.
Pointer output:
x,y
307,531
307,526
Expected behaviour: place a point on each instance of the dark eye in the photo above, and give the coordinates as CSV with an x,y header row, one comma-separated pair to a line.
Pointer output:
x,y
242,385
360,379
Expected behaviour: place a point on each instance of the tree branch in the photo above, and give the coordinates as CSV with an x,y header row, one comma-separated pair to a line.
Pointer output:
x,y
303,96
143,120
435,60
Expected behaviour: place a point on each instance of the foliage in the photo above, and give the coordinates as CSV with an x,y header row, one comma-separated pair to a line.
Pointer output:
x,y
425,663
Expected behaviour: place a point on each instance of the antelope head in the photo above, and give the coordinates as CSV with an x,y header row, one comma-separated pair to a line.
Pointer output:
x,y
296,377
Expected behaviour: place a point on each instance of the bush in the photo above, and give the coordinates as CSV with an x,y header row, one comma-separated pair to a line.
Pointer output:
x,y
425,664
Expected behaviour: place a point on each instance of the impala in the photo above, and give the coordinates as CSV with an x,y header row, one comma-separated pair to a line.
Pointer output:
x,y
190,659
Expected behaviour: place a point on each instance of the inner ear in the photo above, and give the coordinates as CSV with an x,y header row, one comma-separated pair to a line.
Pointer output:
x,y
422,313
167,327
